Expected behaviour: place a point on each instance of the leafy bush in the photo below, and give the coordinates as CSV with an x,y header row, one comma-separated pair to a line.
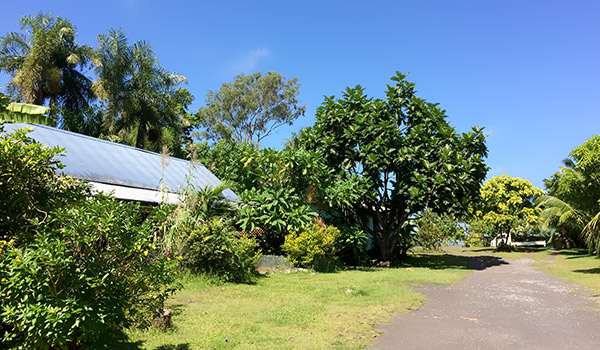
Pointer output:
x,y
479,233
217,249
29,187
351,246
313,242
435,229
271,214
173,223
87,274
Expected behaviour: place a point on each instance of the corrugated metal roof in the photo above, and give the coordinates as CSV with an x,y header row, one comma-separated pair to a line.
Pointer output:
x,y
113,163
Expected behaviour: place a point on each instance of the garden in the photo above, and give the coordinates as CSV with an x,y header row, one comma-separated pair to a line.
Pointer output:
x,y
361,206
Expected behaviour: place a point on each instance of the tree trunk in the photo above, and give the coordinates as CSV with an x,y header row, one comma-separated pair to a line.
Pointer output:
x,y
141,136
386,249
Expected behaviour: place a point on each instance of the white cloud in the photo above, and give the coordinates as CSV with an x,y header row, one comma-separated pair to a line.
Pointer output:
x,y
131,3
248,62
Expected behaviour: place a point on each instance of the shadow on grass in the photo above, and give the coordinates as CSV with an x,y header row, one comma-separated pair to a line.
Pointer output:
x,y
138,345
573,253
450,261
492,250
592,271
182,346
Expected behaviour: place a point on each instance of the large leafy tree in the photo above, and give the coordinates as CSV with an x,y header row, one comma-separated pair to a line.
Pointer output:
x,y
139,95
250,108
507,204
403,153
46,63
573,201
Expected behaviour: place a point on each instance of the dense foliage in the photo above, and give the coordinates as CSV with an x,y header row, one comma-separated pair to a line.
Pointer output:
x,y
572,207
29,188
403,153
218,249
87,274
201,231
435,230
507,205
270,215
250,108
74,269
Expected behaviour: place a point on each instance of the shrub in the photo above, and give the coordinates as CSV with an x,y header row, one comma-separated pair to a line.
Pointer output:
x,y
270,214
480,233
351,246
87,274
436,229
217,249
313,242
29,187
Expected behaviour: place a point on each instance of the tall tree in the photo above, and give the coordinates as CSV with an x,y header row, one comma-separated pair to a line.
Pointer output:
x,y
138,93
507,204
403,153
46,63
250,108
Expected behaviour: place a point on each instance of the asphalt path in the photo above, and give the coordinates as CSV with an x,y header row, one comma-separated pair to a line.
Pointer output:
x,y
510,305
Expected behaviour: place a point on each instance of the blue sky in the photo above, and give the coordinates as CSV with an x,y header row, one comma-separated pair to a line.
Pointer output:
x,y
529,71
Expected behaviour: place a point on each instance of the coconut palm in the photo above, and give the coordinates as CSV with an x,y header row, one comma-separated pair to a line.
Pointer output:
x,y
573,205
46,63
560,219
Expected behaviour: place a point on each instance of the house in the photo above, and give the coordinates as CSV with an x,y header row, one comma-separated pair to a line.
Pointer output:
x,y
130,173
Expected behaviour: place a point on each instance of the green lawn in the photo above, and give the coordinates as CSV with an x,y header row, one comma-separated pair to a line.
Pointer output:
x,y
299,310
573,265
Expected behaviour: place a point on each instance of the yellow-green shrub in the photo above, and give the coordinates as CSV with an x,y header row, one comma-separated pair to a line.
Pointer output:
x,y
311,243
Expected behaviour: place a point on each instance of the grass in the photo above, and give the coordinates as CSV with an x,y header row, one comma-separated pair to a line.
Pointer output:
x,y
299,310
573,265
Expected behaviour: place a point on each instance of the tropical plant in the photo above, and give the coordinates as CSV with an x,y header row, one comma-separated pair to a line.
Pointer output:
x,y
352,245
271,214
573,204
88,273
216,248
197,207
250,108
138,94
46,63
29,186
403,155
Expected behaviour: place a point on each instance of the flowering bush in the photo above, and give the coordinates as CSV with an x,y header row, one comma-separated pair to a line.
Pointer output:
x,y
90,271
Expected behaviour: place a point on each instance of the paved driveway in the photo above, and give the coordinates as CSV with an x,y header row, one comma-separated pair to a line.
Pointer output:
x,y
507,306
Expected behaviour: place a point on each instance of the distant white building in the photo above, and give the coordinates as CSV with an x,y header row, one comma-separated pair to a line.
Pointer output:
x,y
505,238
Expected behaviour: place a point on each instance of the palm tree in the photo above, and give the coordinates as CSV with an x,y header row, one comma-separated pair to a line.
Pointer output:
x,y
138,93
560,219
572,205
46,63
